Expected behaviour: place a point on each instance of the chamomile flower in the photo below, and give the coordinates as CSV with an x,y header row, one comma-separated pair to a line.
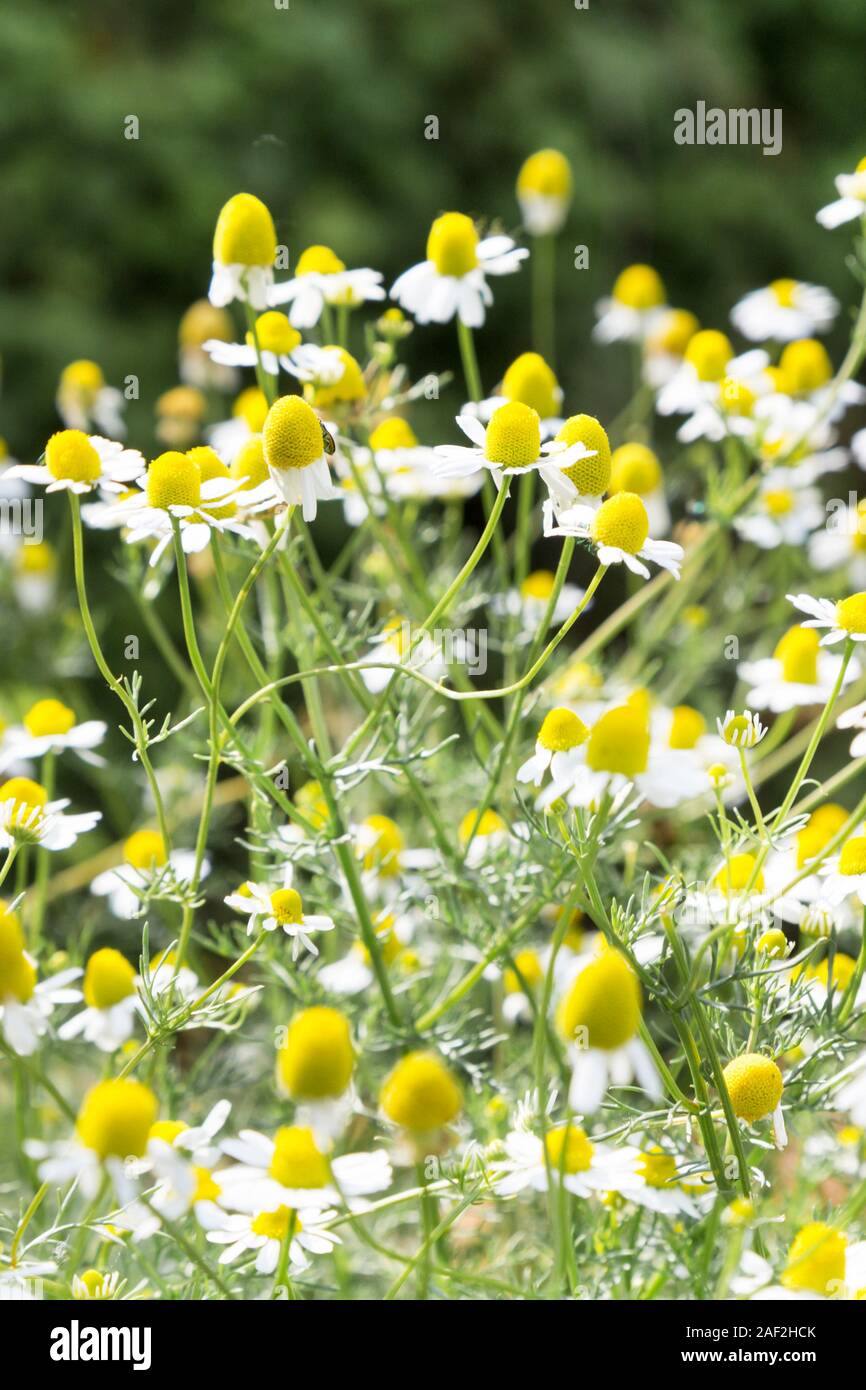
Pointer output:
x,y
754,1084
660,1184
619,531
729,405
784,310
599,1017
25,1004
695,383
805,372
314,1069
244,249
77,462
195,494
182,1159
112,1000
272,342
665,344
322,279
381,847
145,863
634,308
798,673
851,202
28,817
34,576
528,603
565,1155
180,415
842,543
482,833
265,1232
49,726
113,1125
510,444
84,399
635,468
292,1170
544,187
781,515
560,738
845,619
806,903
845,873
621,751
741,730
204,323
397,645
353,973
249,412
453,279
294,445
820,1265
267,908
528,381
423,1098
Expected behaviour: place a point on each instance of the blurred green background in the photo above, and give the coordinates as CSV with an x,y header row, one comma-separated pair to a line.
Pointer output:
x,y
320,109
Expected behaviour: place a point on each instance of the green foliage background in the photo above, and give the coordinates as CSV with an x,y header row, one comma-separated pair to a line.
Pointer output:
x,y
320,108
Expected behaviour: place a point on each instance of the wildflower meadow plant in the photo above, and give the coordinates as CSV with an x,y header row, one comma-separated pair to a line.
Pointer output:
x,y
337,963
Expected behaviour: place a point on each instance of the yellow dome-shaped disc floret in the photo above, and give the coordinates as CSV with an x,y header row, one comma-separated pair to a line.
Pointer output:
x,y
816,1260
286,907
619,741
621,522
709,352
805,366
569,1150
421,1093
210,466
202,321
490,823
108,978
513,436
115,1118
350,386
603,1007
248,466
736,874
852,860
639,287
839,977
772,943
275,1225
317,1057
530,381
561,730
173,480
298,1161
274,334
590,475
167,1130
851,613
688,726
251,406
547,174
145,849
70,457
292,434
674,333
784,291
657,1168
383,846
452,244
527,972
754,1085
798,652
183,404
393,433
735,397
634,468
83,378
244,233
819,829
17,974
28,799
48,717
319,260
538,585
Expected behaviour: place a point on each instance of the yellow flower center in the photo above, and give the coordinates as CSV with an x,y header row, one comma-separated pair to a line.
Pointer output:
x,y
622,523
806,366
852,860
820,828
687,727
674,333
382,854
784,290
772,943
182,403
202,321
251,406
816,1259
244,233
286,906
547,174
17,975
736,874
116,1117
421,1093
754,1085
27,797
490,823
69,455
840,977
249,464
562,730
275,1224
393,433
513,436
798,653
319,260
538,585
639,287
349,386
145,849
207,1189
619,741
635,468
292,434
82,378
109,977
297,1160
569,1150
173,480
528,972
603,1007
591,475
274,333
310,800
167,1130
210,465
851,613
94,1283
48,717
317,1058
529,381
36,559
452,244
735,397
709,352
657,1169
779,501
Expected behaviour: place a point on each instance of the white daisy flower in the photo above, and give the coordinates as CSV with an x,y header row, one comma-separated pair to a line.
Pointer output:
x,y
77,462
842,543
619,530
272,342
544,191
528,603
453,279
557,748
265,1232
660,1187
821,1265
291,1170
196,492
665,344
49,727
181,1159
28,817
729,405
244,249
634,309
381,848
805,373
623,751
741,730
267,908
26,1004
845,873
510,445
695,383
295,444
798,673
566,1154
84,399
112,1129
845,619
321,278
600,1015
780,515
635,468
851,202
112,999
145,865
528,381
784,310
